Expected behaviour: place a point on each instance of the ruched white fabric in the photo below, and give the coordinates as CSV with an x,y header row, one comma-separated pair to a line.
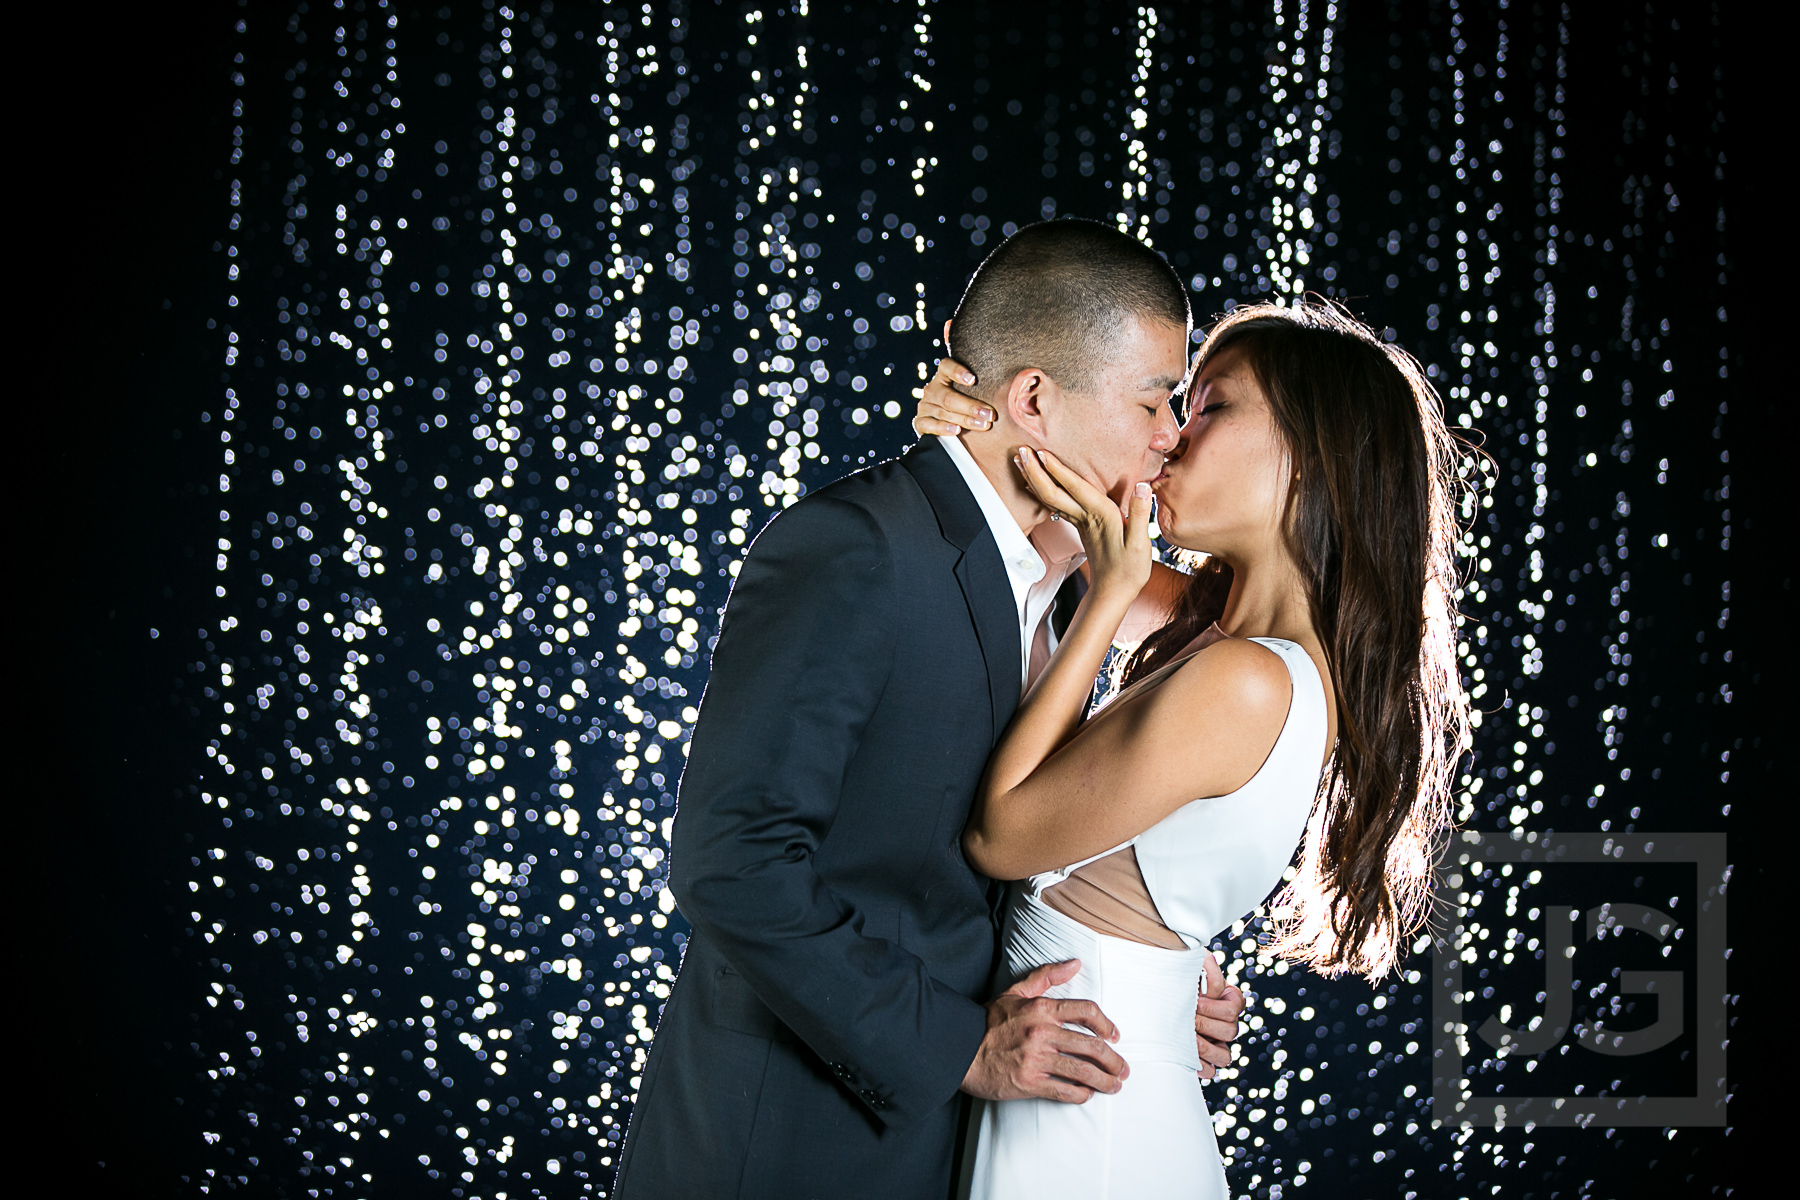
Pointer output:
x,y
1206,864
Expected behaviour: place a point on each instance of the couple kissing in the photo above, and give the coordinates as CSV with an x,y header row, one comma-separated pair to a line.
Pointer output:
x,y
949,916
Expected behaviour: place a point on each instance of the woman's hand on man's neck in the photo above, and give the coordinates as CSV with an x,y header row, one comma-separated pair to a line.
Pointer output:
x,y
993,451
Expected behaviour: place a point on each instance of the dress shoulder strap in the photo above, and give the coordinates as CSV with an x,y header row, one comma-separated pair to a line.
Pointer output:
x,y
1306,711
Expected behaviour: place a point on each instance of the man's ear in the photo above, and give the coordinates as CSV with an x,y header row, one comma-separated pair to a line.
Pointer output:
x,y
1026,398
947,337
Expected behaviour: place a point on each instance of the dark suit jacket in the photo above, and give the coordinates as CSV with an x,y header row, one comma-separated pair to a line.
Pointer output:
x,y
829,1001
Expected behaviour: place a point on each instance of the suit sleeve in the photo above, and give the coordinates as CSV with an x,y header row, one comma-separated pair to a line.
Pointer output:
x,y
803,656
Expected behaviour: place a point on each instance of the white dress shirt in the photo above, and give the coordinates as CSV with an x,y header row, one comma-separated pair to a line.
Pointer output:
x,y
1036,566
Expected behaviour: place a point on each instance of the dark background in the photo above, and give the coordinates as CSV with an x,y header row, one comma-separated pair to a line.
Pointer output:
x,y
133,137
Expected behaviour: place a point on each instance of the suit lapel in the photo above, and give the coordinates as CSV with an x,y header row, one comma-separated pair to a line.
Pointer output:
x,y
989,595
980,572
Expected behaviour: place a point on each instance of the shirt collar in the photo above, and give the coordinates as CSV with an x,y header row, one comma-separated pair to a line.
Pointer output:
x,y
1023,562
1054,543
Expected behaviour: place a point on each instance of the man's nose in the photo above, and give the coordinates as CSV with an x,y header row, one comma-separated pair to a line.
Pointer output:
x,y
1167,431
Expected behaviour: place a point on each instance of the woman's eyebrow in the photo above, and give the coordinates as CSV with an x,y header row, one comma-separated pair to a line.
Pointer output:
x,y
1206,381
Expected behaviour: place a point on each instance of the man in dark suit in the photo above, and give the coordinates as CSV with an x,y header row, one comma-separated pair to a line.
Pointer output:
x,y
831,1011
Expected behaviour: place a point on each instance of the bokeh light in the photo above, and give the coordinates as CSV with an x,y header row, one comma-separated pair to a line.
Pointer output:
x,y
529,318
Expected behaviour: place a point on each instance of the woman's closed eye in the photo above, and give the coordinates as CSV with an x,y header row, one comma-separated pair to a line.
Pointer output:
x,y
1194,398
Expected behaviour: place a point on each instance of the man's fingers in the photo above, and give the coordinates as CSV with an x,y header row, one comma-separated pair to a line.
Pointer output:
x,y
1214,1029
1066,1093
1046,977
1086,1014
1085,1074
1216,1013
1235,998
1069,1044
1212,1053
1220,1008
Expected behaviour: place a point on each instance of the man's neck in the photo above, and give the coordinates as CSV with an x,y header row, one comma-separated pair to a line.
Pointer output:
x,y
993,452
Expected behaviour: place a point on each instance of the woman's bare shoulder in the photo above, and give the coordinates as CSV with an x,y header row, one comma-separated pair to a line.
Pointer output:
x,y
1208,726
1238,676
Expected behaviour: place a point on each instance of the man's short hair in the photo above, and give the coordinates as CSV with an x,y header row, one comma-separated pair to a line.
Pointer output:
x,y
1057,295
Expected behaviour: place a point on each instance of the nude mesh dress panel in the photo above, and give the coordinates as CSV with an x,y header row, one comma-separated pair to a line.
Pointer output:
x,y
1109,896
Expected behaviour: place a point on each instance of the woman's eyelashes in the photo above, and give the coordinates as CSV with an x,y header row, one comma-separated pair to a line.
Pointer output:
x,y
1191,426
1196,397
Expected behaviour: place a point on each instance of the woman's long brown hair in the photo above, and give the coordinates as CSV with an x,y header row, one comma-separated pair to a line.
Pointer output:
x,y
1372,524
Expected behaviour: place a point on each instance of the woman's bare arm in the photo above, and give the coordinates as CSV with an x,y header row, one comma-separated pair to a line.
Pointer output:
x,y
1203,730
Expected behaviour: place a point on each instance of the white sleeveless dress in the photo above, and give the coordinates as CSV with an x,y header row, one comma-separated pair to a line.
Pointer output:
x,y
1205,865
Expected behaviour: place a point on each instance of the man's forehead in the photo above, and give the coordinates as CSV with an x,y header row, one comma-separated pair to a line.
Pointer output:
x,y
1160,382
1144,371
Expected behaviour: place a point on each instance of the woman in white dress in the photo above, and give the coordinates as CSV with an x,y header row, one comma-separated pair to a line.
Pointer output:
x,y
1302,685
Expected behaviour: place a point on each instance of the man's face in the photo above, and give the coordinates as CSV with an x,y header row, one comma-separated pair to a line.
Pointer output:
x,y
1117,436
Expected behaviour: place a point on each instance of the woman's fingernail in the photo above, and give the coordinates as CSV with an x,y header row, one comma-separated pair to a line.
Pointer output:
x,y
1143,489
